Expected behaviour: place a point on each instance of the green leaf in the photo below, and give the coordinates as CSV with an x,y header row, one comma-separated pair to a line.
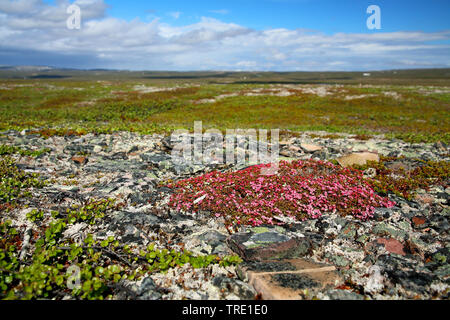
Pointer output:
x,y
104,243
117,278
99,271
87,286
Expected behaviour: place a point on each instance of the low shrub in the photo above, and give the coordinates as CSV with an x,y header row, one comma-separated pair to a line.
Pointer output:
x,y
300,190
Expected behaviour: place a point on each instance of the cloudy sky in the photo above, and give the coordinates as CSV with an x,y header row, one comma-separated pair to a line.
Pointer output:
x,y
272,35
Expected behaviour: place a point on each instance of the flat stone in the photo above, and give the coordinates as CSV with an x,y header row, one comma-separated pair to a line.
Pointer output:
x,y
148,290
392,245
398,165
295,149
411,280
289,279
440,223
384,229
359,158
239,288
349,231
338,260
343,295
268,243
123,218
310,147
212,236
285,153
419,222
79,160
424,198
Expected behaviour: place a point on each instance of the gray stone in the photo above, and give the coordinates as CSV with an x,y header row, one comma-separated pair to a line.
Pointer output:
x,y
124,219
295,281
384,229
268,243
343,295
148,290
238,287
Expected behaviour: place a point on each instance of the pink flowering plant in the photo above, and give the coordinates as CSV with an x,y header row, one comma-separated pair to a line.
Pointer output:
x,y
300,190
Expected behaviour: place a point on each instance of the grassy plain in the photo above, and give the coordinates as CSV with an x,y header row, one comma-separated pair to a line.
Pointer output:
x,y
415,109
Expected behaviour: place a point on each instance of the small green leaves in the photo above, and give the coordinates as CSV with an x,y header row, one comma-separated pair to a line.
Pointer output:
x,y
230,260
14,182
89,240
99,271
35,215
9,150
99,263
91,212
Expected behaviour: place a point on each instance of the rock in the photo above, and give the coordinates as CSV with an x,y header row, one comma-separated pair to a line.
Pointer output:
x,y
235,286
290,279
216,240
78,148
131,234
383,229
267,243
375,282
285,153
441,147
148,290
286,143
442,272
141,197
358,158
411,280
439,223
79,160
349,231
212,236
407,273
424,198
444,197
310,147
98,149
338,260
130,223
398,165
343,295
392,245
295,149
382,213
370,173
419,222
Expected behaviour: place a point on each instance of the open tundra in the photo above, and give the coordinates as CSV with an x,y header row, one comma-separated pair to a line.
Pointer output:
x,y
93,205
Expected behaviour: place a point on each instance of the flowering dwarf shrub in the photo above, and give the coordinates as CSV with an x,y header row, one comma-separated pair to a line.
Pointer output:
x,y
300,190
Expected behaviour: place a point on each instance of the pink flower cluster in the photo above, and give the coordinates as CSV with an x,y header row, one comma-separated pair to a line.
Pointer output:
x,y
301,190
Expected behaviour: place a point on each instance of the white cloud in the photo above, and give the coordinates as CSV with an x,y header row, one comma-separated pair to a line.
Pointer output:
x,y
221,11
32,27
175,15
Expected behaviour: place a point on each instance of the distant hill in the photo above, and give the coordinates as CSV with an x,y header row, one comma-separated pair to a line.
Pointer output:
x,y
408,76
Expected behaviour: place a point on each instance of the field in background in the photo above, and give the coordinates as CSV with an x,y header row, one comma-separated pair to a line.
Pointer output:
x,y
413,105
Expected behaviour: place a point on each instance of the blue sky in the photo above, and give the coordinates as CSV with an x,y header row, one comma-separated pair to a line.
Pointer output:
x,y
328,16
272,35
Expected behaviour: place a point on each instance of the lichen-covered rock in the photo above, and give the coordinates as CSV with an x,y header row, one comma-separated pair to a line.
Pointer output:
x,y
400,253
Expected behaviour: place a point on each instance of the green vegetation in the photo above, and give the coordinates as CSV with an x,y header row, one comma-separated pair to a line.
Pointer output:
x,y
15,183
9,150
101,264
69,107
394,177
44,268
